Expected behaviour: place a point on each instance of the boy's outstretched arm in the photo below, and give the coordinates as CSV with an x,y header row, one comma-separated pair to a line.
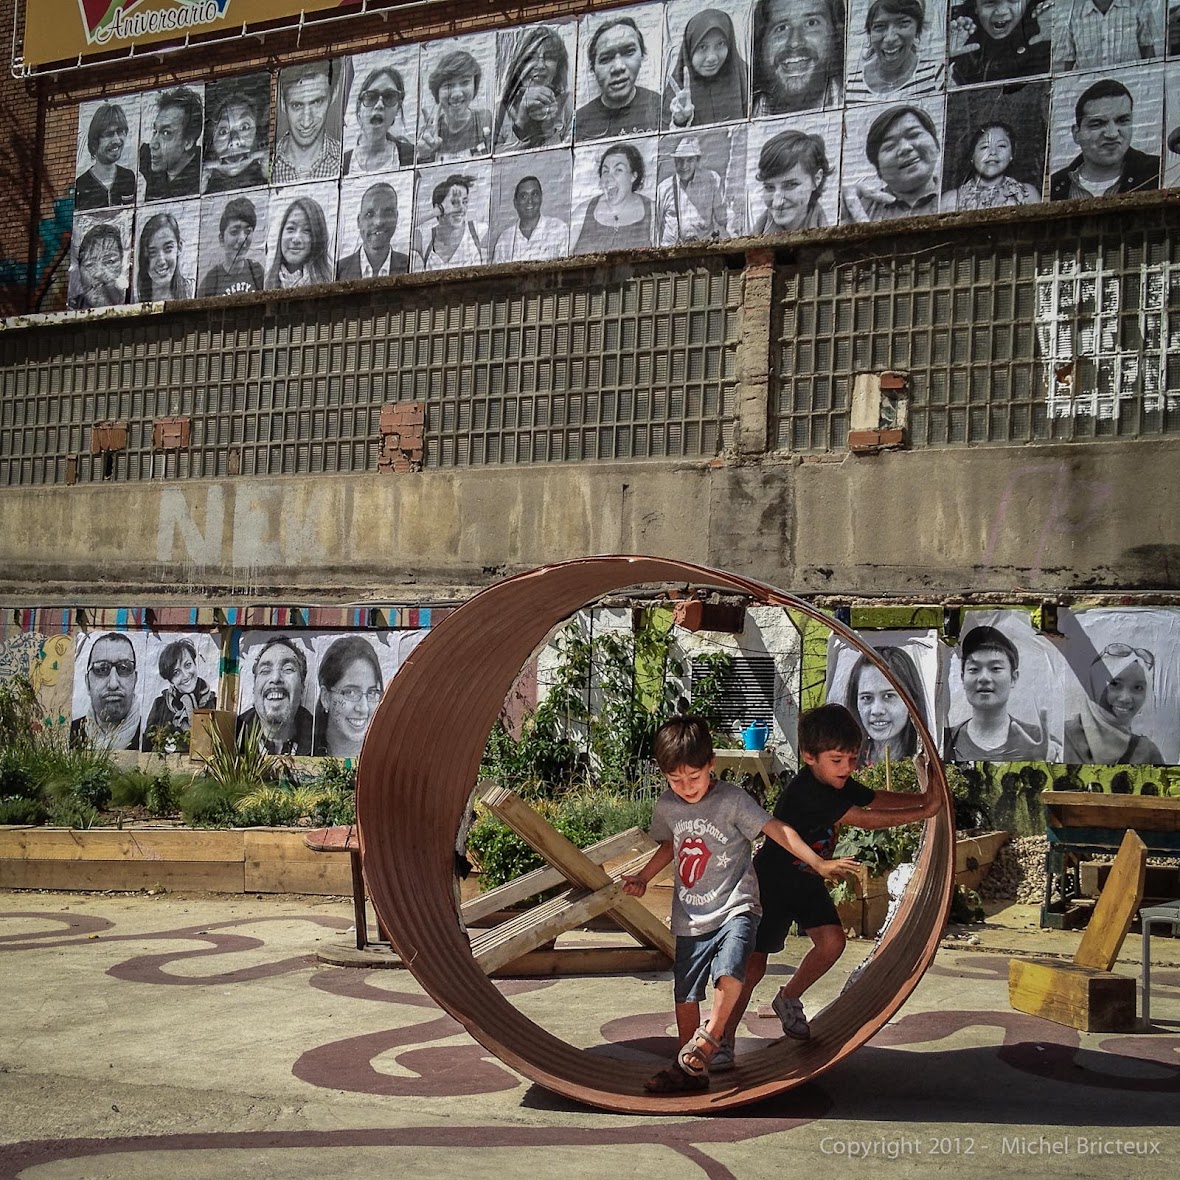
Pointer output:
x,y
889,809
635,884
786,835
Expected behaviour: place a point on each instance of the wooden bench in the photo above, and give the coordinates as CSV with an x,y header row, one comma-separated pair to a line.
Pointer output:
x,y
1086,994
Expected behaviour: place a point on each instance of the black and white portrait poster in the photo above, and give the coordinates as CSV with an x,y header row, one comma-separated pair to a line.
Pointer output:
x,y
706,64
237,134
171,134
309,122
997,40
108,136
1105,133
456,91
1122,691
276,689
301,235
996,143
373,238
1087,38
797,55
232,256
531,202
793,173
452,204
1005,692
620,72
700,182
108,689
1173,33
614,195
896,50
914,658
167,249
1172,125
535,85
100,259
352,673
381,111
892,161
180,674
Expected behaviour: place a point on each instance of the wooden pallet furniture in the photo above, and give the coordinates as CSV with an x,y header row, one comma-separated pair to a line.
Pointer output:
x,y
1079,824
519,945
1086,994
513,947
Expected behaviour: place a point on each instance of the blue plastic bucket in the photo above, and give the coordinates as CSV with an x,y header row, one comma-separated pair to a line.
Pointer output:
x,y
754,735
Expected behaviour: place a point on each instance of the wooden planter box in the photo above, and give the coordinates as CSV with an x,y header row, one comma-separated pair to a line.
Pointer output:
x,y
241,860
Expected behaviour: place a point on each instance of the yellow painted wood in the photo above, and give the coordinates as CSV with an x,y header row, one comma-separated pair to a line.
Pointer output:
x,y
1078,997
1117,905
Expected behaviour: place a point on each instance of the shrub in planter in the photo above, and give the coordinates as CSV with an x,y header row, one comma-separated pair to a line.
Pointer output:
x,y
16,810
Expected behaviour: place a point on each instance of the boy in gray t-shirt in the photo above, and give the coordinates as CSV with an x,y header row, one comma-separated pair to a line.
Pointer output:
x,y
707,828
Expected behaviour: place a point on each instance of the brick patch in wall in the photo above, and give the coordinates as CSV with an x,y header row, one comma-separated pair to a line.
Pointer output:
x,y
401,427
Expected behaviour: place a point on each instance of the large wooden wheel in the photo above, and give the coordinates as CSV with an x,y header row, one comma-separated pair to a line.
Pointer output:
x,y
417,770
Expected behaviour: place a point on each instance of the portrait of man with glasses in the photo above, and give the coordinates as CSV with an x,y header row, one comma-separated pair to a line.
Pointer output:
x,y
106,697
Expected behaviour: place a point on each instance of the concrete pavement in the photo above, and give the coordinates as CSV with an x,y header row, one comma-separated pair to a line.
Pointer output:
x,y
193,1037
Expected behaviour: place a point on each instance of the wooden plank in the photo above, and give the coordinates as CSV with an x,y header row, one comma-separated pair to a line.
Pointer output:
x,y
280,862
747,761
122,876
530,884
1083,809
1116,908
602,960
342,838
576,867
1078,997
544,927
126,844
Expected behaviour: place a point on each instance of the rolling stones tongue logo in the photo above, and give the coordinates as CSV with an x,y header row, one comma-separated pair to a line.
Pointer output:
x,y
694,856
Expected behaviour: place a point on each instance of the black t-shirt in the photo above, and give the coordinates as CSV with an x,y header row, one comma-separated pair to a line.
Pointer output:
x,y
813,809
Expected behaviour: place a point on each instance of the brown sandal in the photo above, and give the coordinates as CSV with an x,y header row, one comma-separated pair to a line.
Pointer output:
x,y
693,1058
673,1080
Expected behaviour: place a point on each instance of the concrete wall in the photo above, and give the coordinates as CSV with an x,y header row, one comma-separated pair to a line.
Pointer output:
x,y
1037,519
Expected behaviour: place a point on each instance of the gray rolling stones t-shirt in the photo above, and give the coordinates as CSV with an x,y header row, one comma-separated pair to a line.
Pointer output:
x,y
711,855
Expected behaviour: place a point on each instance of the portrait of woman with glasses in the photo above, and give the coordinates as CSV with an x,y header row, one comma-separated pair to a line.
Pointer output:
x,y
377,107
350,691
1121,683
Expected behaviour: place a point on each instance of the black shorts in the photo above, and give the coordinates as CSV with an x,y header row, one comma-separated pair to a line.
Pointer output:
x,y
790,896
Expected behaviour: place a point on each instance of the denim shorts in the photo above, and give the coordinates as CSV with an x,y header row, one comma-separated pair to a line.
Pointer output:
x,y
723,951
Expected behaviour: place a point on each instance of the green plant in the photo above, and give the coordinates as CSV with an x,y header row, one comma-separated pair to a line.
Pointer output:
x,y
161,796
16,780
208,803
243,764
583,816
129,787
22,811
609,692
20,713
167,739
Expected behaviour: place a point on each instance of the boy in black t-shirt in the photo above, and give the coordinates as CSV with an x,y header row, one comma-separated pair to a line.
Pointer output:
x,y
820,796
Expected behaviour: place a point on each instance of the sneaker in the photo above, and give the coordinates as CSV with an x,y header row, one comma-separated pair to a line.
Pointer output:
x,y
790,1014
723,1057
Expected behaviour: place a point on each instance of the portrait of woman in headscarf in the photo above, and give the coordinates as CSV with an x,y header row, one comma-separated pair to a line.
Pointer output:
x,y
1121,682
708,82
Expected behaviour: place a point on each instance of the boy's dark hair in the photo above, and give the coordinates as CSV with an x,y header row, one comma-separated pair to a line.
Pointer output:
x,y
993,637
682,741
239,209
829,727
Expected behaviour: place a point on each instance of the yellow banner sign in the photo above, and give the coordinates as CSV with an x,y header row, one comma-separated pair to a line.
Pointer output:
x,y
63,30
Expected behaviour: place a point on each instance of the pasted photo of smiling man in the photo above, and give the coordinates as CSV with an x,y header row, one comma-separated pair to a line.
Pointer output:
x,y
107,133
309,123
989,688
275,679
798,52
374,235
